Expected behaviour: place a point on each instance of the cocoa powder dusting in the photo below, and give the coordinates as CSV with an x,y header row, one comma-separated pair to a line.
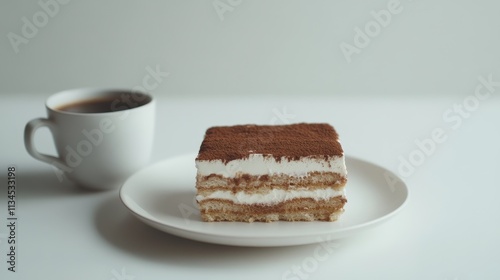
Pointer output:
x,y
290,142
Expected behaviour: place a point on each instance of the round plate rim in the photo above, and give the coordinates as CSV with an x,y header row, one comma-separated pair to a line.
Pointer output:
x,y
173,229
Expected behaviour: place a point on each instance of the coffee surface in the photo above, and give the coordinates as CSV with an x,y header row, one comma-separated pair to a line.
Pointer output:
x,y
99,105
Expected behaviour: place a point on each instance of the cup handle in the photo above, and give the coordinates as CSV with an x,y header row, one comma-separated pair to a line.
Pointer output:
x,y
29,132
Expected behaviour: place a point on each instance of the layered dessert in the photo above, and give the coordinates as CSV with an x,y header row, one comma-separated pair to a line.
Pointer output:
x,y
268,173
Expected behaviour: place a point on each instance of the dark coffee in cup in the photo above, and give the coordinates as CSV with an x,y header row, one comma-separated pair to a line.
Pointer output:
x,y
102,105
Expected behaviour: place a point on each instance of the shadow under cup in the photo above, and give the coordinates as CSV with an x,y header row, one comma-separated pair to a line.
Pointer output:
x,y
101,136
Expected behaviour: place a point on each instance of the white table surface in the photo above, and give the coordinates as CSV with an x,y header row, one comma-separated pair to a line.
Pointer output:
x,y
449,230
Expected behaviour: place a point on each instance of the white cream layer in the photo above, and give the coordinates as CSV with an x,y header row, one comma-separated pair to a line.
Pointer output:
x,y
257,164
273,197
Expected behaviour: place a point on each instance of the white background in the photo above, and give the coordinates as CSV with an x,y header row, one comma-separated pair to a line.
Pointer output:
x,y
262,61
259,47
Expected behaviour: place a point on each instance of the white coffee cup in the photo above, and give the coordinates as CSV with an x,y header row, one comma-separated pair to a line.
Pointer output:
x,y
97,149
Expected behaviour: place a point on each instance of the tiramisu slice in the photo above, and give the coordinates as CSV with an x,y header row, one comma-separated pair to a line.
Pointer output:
x,y
267,173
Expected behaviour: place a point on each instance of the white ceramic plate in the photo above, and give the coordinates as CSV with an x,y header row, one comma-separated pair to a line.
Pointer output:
x,y
162,196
